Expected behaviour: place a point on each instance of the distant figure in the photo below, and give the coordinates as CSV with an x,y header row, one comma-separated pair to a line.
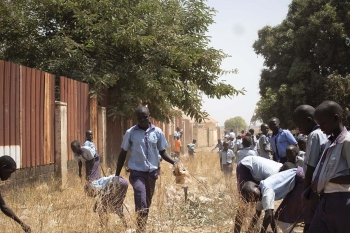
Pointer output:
x,y
264,142
254,140
219,145
89,143
246,151
242,133
257,143
232,135
302,147
191,147
226,157
178,133
177,146
280,139
86,154
7,167
238,145
292,156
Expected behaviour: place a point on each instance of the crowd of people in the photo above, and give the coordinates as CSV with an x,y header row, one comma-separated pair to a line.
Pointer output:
x,y
310,173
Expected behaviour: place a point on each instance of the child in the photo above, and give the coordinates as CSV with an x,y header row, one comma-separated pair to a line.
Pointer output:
x,y
264,142
86,154
112,192
219,146
177,146
257,143
292,156
254,169
226,156
191,147
274,188
7,167
238,145
254,140
331,178
302,147
246,151
303,118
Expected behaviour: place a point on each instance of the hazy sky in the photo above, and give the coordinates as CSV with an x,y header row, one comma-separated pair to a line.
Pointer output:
x,y
235,30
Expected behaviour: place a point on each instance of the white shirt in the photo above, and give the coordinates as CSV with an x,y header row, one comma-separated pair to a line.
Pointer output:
x,y
244,153
226,156
232,135
88,155
102,182
260,167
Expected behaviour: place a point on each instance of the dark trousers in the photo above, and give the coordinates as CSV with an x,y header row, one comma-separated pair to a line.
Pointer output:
x,y
283,160
143,184
243,175
332,214
227,168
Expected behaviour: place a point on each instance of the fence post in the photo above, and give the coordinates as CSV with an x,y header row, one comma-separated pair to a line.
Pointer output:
x,y
61,147
102,125
93,118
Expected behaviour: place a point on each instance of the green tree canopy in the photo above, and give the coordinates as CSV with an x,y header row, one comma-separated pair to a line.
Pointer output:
x,y
306,58
151,52
237,124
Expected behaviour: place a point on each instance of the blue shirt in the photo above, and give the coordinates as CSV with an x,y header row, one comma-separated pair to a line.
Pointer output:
x,y
144,147
280,142
277,187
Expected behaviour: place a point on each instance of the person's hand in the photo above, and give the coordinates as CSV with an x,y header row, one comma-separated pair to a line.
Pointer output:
x,y
26,228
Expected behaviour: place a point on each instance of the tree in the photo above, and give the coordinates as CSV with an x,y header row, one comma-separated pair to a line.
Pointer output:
x,y
237,124
152,52
305,56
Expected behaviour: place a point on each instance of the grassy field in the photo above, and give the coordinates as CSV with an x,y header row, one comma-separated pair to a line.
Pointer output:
x,y
211,206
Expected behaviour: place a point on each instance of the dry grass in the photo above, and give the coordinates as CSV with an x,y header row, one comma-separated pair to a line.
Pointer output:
x,y
211,206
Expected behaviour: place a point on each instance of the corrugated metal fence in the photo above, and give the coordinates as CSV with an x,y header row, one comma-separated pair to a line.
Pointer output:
x,y
27,117
76,95
27,112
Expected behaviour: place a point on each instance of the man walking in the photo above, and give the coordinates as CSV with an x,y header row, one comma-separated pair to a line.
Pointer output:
x,y
144,141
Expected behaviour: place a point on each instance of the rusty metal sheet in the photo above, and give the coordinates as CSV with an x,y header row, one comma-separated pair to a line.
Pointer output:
x,y
32,118
2,107
7,87
37,118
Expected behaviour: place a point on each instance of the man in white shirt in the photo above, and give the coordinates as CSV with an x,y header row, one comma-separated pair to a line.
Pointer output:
x,y
274,188
246,151
253,169
232,135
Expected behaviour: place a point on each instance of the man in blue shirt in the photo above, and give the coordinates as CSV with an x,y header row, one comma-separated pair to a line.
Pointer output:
x,y
280,139
144,141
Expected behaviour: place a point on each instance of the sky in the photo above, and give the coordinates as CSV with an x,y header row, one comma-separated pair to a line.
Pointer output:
x,y
236,28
